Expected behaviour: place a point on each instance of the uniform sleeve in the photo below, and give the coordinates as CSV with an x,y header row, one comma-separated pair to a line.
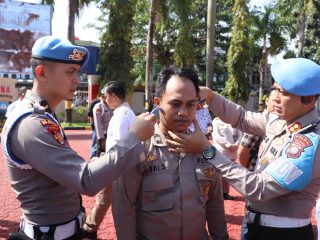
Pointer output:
x,y
124,194
246,121
255,186
36,145
97,120
215,211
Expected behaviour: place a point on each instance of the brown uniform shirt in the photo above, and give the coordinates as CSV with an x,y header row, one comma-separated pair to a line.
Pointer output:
x,y
169,196
264,193
46,174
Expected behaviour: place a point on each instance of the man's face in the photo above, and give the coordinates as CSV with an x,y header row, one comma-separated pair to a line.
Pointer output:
x,y
61,80
110,99
179,104
286,105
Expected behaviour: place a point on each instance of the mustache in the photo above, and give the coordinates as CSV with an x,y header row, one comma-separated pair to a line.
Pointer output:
x,y
182,120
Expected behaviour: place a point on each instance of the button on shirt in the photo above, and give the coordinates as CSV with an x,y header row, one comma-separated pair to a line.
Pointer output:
x,y
119,125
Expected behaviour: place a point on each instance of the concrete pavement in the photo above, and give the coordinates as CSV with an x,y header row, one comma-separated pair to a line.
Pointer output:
x,y
80,141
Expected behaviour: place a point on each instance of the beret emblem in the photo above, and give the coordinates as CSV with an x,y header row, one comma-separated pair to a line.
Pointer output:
x,y
77,55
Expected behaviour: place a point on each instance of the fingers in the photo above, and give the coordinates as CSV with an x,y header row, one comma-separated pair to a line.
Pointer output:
x,y
142,115
196,125
176,136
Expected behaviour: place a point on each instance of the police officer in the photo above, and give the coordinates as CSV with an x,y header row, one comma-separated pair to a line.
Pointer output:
x,y
170,196
46,174
282,191
101,118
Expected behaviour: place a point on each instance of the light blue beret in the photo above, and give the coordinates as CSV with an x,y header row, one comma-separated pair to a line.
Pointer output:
x,y
298,76
59,50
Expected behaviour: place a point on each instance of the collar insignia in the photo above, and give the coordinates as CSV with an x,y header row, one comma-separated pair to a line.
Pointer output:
x,y
157,139
77,55
54,129
294,127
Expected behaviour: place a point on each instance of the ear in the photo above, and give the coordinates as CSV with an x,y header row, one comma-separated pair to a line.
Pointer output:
x,y
156,101
40,75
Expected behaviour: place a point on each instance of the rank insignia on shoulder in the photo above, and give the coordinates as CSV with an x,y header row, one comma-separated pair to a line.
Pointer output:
x,y
294,127
151,157
208,172
54,129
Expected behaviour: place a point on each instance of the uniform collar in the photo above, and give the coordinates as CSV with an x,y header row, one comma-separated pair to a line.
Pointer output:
x,y
35,98
303,121
158,138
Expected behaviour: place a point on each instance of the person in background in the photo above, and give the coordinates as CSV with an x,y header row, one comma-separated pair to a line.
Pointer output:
x,y
283,189
119,125
226,139
93,148
101,118
204,119
170,196
45,173
21,94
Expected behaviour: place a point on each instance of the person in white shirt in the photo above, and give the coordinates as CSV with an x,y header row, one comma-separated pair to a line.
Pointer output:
x,y
226,139
119,125
21,93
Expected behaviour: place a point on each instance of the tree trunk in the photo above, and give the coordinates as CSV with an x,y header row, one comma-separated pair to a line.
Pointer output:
x,y
71,17
263,73
211,32
302,28
149,57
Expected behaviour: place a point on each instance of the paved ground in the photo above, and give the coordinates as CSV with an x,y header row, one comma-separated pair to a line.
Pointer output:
x,y
80,141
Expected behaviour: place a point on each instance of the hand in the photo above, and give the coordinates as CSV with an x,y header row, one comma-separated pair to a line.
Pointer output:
x,y
206,93
143,126
189,143
233,148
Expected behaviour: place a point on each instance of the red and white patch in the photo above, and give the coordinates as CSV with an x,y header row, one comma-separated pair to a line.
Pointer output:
x,y
54,129
296,147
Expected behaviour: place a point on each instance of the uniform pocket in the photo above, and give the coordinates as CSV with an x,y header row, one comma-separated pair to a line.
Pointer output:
x,y
157,191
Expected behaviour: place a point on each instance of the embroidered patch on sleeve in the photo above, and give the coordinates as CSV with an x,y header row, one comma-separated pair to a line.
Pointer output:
x,y
297,146
54,129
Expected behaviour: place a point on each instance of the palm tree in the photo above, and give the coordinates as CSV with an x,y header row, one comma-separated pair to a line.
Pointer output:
x,y
211,21
265,29
149,55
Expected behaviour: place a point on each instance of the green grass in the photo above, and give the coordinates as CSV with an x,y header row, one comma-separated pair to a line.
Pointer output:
x,y
75,124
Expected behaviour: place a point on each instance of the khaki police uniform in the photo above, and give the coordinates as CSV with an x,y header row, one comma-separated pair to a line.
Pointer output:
x,y
47,175
283,193
169,196
101,117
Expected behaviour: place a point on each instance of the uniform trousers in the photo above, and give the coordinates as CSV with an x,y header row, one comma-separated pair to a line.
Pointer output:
x,y
256,232
103,202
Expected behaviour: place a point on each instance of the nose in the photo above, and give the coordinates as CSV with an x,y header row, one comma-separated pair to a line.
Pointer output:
x,y
183,111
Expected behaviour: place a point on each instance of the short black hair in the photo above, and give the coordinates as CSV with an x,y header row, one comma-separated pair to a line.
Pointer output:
x,y
117,88
168,72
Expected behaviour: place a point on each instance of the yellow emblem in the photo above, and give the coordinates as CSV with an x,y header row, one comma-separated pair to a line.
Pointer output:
x,y
208,172
77,55
151,157
264,160
293,128
206,189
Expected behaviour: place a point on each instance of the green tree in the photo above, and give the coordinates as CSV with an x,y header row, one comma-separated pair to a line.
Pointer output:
x,y
237,86
115,53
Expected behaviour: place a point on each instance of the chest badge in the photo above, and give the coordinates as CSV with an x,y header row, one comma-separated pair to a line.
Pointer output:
x,y
264,160
208,172
151,157
54,129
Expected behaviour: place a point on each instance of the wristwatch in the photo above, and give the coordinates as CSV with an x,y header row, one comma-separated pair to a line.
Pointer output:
x,y
209,153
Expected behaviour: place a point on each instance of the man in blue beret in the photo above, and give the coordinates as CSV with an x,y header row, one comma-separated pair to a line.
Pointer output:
x,y
45,173
283,189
